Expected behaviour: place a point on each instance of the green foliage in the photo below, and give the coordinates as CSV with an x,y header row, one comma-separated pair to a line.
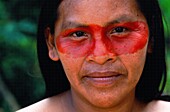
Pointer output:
x,y
19,66
167,88
3,12
166,15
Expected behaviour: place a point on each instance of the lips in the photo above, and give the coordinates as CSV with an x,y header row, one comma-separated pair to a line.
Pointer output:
x,y
102,79
102,74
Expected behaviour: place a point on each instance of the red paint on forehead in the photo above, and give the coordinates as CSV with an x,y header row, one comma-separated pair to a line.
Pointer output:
x,y
100,41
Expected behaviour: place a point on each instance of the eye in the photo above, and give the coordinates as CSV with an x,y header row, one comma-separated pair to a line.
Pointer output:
x,y
79,34
119,30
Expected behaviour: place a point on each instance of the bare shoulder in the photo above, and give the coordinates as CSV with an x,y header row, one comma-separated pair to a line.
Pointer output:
x,y
46,105
158,106
41,106
52,104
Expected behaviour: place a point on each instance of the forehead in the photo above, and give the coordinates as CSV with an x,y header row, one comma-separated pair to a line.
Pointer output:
x,y
99,11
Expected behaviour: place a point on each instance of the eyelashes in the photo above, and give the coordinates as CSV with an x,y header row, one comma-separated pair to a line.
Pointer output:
x,y
79,34
119,30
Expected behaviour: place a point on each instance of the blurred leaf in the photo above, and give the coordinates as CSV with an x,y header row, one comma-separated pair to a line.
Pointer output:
x,y
3,13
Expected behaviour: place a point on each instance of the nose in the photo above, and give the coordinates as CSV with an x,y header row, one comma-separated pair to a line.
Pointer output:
x,y
101,52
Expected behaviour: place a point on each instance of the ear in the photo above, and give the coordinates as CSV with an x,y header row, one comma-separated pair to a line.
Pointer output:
x,y
52,52
150,46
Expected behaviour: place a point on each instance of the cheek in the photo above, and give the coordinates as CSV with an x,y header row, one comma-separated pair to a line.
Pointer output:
x,y
129,45
134,64
132,42
73,48
71,66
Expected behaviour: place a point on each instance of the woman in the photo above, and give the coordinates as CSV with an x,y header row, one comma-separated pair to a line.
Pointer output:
x,y
107,56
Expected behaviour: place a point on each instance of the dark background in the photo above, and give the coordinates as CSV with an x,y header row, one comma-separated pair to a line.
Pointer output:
x,y
21,82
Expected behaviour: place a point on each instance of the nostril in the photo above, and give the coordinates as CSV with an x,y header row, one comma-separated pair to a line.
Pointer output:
x,y
101,59
109,59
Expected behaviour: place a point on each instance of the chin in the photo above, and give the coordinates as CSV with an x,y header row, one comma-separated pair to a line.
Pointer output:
x,y
110,98
106,102
105,99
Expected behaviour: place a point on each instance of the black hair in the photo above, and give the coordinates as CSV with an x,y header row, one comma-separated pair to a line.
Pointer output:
x,y
154,70
155,66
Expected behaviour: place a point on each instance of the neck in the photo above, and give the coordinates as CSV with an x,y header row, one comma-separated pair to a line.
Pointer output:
x,y
128,104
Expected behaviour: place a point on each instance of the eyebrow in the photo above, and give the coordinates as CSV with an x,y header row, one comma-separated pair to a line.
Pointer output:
x,y
123,18
72,24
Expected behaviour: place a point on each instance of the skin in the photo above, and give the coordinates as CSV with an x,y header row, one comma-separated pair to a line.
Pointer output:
x,y
103,64
102,77
57,104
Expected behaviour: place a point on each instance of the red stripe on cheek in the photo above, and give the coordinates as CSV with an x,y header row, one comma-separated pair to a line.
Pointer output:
x,y
72,47
133,41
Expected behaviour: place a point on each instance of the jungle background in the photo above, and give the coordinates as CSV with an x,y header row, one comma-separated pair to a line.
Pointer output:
x,y
21,82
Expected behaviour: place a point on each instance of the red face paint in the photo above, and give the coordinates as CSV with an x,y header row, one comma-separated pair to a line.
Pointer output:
x,y
121,38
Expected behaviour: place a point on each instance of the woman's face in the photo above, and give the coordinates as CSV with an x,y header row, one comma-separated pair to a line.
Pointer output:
x,y
102,46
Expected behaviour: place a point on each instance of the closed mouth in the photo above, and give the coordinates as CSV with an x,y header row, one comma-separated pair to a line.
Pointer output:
x,y
102,74
101,79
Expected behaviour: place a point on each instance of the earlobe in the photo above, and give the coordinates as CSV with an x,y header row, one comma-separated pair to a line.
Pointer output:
x,y
52,52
